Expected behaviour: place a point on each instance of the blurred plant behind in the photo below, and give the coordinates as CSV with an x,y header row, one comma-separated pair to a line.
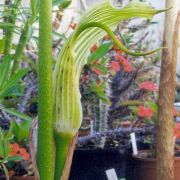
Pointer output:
x,y
105,84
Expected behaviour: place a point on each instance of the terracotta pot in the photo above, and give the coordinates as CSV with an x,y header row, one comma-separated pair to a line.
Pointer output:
x,y
23,178
145,168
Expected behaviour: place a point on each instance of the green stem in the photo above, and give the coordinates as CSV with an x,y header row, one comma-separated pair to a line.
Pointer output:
x,y
9,33
6,171
45,152
62,141
21,45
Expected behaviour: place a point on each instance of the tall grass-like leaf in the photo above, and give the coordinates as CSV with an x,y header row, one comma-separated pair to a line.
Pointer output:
x,y
17,114
5,70
99,21
11,84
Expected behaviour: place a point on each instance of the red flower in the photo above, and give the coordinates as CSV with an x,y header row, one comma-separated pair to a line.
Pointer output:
x,y
125,63
121,58
148,85
97,71
115,65
73,25
17,151
144,112
23,153
177,130
94,48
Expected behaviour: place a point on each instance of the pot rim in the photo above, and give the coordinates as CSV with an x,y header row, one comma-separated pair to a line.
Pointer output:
x,y
137,157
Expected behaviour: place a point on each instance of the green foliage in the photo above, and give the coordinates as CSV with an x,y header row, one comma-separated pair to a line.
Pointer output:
x,y
100,52
61,3
2,44
8,82
5,139
99,90
21,130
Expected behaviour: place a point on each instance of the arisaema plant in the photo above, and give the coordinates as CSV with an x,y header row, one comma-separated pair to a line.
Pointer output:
x,y
60,109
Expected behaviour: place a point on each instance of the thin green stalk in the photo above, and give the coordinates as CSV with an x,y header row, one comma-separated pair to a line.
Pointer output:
x,y
5,171
62,141
45,108
12,20
20,47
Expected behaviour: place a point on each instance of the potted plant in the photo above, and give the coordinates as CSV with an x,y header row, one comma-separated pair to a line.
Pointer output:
x,y
66,110
66,97
106,147
171,167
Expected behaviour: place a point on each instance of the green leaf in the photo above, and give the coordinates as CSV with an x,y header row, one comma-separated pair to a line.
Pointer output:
x,y
9,86
34,7
5,70
14,158
100,52
99,90
2,44
17,113
62,3
7,26
21,130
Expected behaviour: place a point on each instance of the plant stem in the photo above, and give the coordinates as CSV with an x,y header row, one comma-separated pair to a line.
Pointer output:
x,y
165,124
62,142
9,32
45,108
20,47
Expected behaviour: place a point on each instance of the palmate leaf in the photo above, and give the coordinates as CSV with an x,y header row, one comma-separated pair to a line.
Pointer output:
x,y
96,23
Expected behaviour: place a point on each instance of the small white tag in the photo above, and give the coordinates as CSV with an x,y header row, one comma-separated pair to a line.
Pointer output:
x,y
134,144
111,174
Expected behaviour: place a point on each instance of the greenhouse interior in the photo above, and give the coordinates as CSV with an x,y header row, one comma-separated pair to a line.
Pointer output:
x,y
89,90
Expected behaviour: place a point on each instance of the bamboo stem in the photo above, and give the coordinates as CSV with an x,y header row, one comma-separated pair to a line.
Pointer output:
x,y
45,109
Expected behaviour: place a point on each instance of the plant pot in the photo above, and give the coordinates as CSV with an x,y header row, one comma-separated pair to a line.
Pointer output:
x,y
142,168
92,164
23,178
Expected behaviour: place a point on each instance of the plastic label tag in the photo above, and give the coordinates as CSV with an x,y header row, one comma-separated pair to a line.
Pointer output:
x,y
111,174
134,144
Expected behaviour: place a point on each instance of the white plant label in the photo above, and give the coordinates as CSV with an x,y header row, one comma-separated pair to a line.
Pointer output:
x,y
111,174
134,144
